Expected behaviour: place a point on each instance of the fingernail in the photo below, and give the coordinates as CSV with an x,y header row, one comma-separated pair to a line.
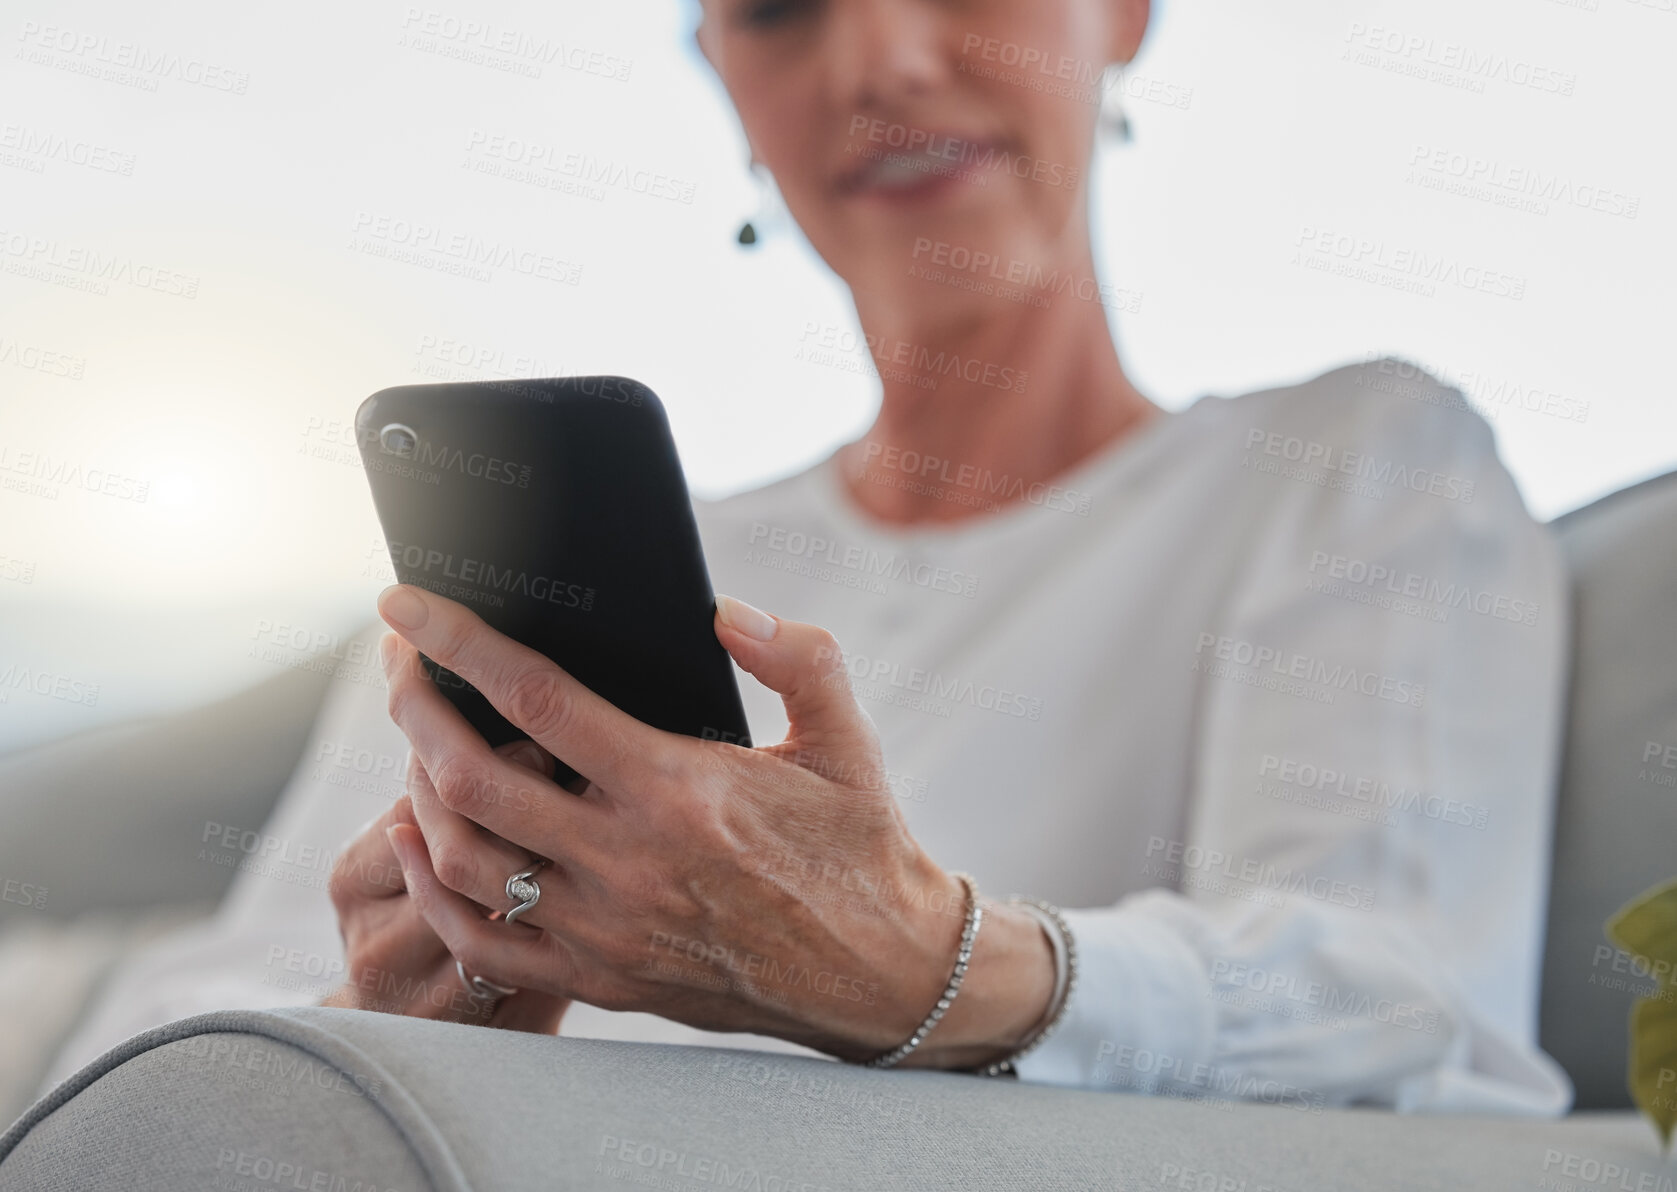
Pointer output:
x,y
401,850
529,755
402,607
740,616
387,650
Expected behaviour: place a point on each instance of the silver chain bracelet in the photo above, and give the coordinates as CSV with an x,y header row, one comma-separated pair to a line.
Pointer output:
x,y
969,933
1065,980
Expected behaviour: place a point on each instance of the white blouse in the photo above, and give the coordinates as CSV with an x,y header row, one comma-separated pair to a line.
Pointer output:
x,y
1268,695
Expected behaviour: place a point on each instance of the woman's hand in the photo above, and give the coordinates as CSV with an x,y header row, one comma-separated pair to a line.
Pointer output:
x,y
773,890
395,962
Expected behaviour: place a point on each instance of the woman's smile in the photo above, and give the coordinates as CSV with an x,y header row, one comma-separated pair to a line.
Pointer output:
x,y
906,165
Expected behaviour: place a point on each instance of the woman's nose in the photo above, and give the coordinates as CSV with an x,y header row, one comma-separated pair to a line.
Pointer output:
x,y
882,51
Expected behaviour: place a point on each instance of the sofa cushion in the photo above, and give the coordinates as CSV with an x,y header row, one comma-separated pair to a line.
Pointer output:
x,y
113,817
406,1103
1617,816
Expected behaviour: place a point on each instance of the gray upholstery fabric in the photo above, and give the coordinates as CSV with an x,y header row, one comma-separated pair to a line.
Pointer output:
x,y
1616,825
241,1111
481,1109
126,804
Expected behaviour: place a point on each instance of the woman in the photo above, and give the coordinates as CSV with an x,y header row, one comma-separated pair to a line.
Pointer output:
x,y
1197,681
1264,691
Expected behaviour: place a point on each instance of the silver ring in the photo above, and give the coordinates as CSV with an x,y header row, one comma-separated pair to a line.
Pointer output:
x,y
478,987
522,889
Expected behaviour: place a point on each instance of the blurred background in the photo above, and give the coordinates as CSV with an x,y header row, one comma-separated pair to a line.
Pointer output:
x,y
223,226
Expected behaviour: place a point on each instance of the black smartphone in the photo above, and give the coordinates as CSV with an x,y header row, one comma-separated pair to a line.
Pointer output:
x,y
558,512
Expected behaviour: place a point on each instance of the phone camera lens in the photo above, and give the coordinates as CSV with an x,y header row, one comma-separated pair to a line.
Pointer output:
x,y
397,439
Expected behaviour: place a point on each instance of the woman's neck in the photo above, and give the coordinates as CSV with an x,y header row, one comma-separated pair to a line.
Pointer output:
x,y
1021,396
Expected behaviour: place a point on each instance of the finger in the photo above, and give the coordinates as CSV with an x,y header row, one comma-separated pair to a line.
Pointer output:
x,y
804,665
513,954
367,867
464,776
402,809
594,738
466,858
396,946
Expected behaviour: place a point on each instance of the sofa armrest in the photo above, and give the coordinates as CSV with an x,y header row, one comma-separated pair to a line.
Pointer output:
x,y
403,1103
110,818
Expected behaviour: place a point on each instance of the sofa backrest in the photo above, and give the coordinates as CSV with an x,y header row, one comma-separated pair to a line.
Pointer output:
x,y
1616,822
126,806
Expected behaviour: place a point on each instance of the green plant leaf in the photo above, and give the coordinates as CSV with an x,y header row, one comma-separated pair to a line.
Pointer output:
x,y
1653,1061
1646,927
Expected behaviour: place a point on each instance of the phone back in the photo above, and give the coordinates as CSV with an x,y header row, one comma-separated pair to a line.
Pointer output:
x,y
557,511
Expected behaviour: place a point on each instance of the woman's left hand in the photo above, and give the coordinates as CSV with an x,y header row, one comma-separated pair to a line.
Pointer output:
x,y
773,890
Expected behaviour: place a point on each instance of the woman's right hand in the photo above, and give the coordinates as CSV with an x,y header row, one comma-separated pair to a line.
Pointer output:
x,y
395,962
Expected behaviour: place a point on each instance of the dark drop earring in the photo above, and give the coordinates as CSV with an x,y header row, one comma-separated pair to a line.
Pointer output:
x,y
752,229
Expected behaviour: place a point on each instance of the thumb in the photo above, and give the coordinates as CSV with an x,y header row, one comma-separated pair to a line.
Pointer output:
x,y
804,664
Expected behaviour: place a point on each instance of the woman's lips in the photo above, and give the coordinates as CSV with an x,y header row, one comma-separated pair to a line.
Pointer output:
x,y
923,164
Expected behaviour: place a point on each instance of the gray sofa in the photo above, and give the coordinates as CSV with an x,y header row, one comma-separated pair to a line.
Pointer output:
x,y
335,1099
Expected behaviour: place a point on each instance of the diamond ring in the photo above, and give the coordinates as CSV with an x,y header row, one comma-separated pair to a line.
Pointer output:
x,y
522,889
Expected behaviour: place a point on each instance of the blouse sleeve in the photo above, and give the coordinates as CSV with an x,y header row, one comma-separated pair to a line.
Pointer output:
x,y
1354,913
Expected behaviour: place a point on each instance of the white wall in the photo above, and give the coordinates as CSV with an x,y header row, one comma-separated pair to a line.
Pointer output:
x,y
246,165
